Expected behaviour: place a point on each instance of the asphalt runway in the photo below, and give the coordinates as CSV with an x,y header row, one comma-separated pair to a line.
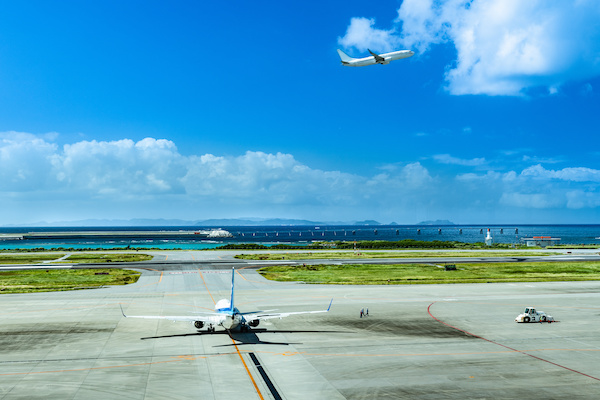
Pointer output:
x,y
418,342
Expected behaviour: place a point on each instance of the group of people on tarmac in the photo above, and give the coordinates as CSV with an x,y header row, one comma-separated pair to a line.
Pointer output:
x,y
364,313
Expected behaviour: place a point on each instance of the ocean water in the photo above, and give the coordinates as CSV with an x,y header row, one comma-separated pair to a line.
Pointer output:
x,y
271,235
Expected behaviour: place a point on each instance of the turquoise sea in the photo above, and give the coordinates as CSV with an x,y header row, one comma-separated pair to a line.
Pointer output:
x,y
271,235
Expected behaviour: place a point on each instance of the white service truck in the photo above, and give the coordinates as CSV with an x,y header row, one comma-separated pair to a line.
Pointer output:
x,y
532,315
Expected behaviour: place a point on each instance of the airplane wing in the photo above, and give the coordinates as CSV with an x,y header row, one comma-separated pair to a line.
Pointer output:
x,y
212,318
266,315
378,58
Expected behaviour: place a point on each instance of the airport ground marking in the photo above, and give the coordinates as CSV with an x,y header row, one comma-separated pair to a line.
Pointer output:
x,y
192,357
242,276
507,347
173,359
235,345
265,282
207,291
159,279
60,308
302,353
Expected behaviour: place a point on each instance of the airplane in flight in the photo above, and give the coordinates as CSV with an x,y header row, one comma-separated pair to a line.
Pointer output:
x,y
226,315
374,58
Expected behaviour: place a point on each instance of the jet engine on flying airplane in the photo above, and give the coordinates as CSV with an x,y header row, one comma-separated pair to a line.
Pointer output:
x,y
254,323
198,324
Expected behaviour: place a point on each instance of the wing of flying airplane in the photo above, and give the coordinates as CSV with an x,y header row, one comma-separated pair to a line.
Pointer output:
x,y
378,58
226,315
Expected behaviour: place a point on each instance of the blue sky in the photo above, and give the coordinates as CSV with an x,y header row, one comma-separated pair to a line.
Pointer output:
x,y
143,109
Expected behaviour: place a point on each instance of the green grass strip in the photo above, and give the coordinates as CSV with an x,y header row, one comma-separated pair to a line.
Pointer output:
x,y
28,258
426,274
95,258
106,258
326,255
29,281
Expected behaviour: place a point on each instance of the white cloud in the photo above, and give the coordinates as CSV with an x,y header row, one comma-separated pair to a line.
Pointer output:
x,y
577,174
100,176
150,178
448,159
578,199
120,168
536,159
538,188
362,35
25,162
504,47
490,176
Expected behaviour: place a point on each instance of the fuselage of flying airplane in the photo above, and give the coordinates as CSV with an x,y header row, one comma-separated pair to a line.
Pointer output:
x,y
374,58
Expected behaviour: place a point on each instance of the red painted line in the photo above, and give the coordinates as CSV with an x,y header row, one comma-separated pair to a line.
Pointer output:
x,y
506,347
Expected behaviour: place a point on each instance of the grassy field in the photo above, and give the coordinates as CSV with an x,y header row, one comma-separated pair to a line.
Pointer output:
x,y
423,274
28,258
29,281
32,258
325,255
106,258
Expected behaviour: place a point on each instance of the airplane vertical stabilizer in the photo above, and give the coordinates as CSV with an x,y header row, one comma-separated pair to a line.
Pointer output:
x,y
232,286
344,57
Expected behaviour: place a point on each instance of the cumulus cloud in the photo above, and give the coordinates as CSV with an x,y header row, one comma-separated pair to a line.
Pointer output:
x,y
151,178
25,161
504,47
362,35
152,170
566,174
578,199
536,187
276,178
121,167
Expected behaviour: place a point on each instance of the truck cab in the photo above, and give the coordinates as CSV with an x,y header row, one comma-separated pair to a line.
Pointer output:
x,y
532,315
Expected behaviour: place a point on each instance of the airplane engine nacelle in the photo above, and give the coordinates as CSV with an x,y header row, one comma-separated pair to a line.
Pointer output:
x,y
254,323
198,324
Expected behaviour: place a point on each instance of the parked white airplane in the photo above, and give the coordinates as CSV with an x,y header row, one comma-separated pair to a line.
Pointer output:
x,y
374,58
226,315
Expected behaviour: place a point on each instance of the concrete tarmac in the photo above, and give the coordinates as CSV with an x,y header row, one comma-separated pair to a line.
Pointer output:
x,y
420,342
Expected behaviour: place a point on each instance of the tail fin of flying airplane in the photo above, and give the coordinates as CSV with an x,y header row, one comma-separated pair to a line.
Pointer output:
x,y
345,57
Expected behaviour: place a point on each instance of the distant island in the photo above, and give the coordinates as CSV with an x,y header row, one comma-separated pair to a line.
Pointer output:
x,y
437,222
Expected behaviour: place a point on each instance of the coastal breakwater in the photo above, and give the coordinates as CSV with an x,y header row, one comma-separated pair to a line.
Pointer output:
x,y
115,234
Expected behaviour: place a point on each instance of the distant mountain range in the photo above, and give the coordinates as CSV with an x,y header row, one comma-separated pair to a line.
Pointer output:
x,y
207,222
180,222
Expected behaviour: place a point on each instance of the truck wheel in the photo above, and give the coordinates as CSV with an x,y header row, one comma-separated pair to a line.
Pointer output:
x,y
526,319
543,318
